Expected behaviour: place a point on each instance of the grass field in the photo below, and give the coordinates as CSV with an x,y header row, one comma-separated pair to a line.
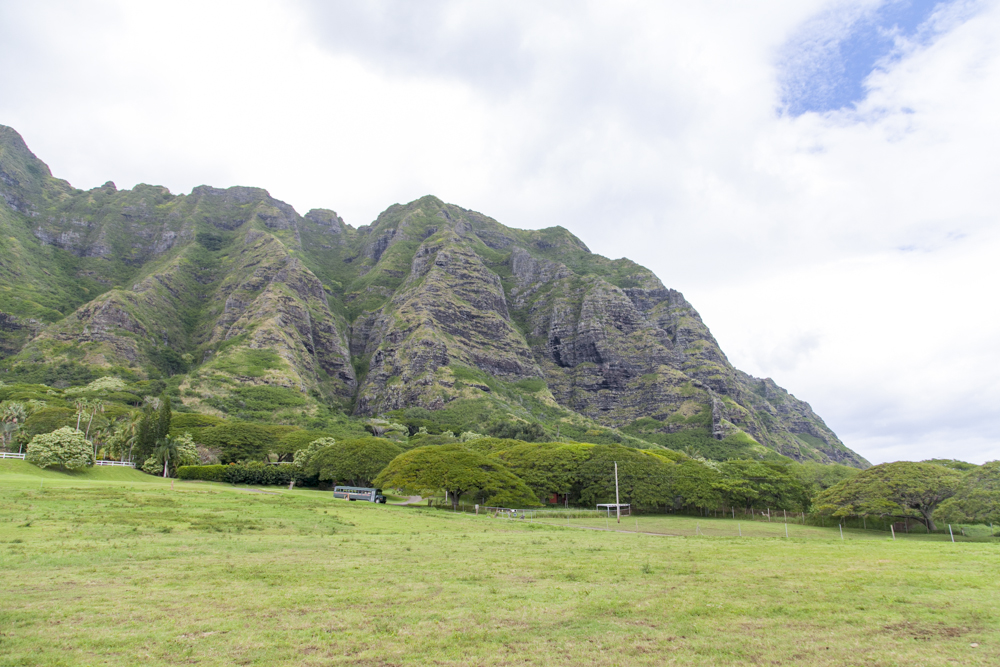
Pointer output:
x,y
113,567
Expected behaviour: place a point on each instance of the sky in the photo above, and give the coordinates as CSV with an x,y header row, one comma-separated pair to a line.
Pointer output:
x,y
818,177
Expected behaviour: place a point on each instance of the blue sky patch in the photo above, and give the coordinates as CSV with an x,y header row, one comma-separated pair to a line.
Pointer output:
x,y
825,65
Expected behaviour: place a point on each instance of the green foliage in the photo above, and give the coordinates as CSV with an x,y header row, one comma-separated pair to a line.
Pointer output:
x,y
167,360
153,426
516,430
644,479
303,457
185,421
458,471
108,383
212,241
62,374
531,385
171,452
384,428
152,466
492,445
548,468
699,441
257,402
417,413
212,473
238,441
249,362
901,489
354,462
821,476
65,447
291,442
256,472
757,484
694,485
953,464
977,499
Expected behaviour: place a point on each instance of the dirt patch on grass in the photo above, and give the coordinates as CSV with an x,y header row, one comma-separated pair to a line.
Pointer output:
x,y
925,631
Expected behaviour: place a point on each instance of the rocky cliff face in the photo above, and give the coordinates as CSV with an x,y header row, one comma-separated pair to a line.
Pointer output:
x,y
235,292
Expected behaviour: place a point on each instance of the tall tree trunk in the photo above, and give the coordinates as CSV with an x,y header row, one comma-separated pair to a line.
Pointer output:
x,y
928,521
166,460
454,499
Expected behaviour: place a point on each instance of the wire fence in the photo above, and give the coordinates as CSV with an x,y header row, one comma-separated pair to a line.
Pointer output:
x,y
686,526
734,523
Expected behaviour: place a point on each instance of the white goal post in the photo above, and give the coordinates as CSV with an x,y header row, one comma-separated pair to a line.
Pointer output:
x,y
624,508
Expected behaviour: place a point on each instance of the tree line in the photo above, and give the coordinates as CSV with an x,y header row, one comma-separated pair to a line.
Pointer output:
x,y
509,471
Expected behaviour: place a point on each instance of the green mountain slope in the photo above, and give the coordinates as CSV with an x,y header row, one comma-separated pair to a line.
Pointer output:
x,y
255,311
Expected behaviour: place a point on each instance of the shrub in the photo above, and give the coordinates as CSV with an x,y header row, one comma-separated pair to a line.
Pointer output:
x,y
255,472
64,447
152,467
205,473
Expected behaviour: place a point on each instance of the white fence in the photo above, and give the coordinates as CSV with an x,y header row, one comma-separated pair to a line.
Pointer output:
x,y
11,455
114,463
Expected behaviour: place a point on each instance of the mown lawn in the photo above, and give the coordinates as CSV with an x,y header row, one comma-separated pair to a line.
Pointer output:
x,y
117,568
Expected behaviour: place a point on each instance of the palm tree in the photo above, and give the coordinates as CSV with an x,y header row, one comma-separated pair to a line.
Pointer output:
x,y
130,431
101,436
81,406
166,449
94,407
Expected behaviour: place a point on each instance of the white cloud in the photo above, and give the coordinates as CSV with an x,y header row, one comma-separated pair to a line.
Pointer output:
x,y
848,254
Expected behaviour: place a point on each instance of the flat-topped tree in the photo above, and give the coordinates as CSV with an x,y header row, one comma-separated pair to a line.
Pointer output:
x,y
978,497
356,462
457,470
901,489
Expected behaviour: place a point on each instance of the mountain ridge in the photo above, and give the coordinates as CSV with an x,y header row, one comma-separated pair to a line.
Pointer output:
x,y
242,302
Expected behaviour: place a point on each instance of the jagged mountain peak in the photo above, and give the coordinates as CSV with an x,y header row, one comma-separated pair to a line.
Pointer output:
x,y
236,296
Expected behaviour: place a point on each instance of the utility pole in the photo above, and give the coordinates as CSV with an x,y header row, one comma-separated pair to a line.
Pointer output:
x,y
618,507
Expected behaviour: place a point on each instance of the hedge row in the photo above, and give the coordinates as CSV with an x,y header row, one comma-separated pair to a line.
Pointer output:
x,y
261,473
245,473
